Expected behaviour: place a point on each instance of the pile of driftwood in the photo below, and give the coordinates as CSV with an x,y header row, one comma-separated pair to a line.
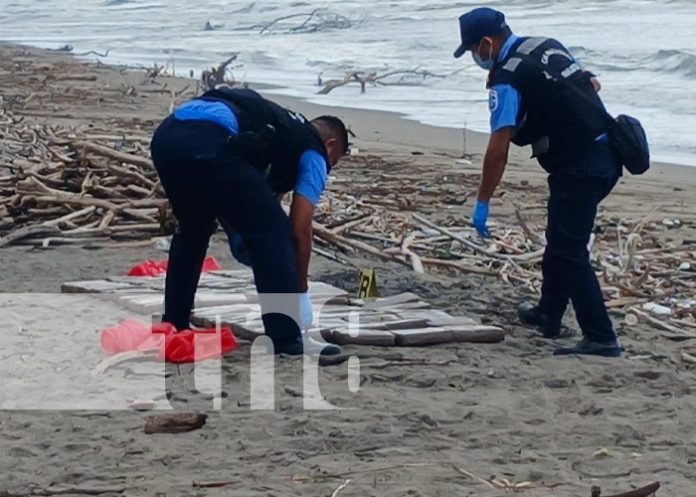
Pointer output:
x,y
419,219
64,187
98,188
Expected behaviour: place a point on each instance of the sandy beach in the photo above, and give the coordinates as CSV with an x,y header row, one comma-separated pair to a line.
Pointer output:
x,y
442,427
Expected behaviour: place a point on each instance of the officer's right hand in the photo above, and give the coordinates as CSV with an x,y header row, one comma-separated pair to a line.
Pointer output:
x,y
479,218
238,247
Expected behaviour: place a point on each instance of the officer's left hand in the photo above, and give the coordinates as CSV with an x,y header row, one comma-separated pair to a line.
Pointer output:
x,y
238,247
306,312
479,218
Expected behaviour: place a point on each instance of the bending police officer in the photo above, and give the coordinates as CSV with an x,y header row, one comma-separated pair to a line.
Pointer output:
x,y
531,105
228,155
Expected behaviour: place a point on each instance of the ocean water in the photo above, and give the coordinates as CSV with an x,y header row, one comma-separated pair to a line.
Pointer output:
x,y
643,50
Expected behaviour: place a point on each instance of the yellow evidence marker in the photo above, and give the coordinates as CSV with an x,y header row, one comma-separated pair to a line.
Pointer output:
x,y
367,287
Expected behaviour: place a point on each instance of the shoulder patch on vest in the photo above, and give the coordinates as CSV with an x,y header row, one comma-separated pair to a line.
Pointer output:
x,y
493,100
297,117
546,56
530,44
512,64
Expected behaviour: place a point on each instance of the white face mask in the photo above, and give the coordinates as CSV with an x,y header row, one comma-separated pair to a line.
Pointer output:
x,y
486,65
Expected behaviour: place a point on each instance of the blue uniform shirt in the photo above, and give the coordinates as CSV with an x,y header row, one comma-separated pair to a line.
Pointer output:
x,y
202,110
504,100
312,176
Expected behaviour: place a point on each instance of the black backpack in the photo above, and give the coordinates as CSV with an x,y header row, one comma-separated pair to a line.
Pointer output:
x,y
629,143
627,137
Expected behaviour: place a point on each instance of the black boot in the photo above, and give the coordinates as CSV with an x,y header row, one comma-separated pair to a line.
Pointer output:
x,y
531,315
307,346
587,347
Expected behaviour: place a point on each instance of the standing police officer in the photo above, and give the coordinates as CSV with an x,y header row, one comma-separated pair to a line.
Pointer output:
x,y
534,100
228,155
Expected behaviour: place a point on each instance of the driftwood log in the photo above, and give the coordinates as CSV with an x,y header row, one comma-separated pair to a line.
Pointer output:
x,y
175,423
211,78
310,22
47,492
646,491
363,79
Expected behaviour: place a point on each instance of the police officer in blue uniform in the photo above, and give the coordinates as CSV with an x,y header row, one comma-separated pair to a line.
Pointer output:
x,y
228,156
530,105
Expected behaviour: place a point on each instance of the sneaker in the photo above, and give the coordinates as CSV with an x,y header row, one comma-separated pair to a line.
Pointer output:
x,y
531,315
587,347
307,346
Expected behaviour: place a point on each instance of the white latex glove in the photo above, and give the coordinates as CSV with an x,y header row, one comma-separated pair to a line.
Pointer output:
x,y
306,312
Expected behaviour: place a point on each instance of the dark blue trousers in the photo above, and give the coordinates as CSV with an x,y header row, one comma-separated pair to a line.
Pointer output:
x,y
575,193
206,181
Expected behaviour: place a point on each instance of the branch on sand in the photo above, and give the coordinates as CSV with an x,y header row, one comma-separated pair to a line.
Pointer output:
x,y
373,78
646,491
211,78
64,491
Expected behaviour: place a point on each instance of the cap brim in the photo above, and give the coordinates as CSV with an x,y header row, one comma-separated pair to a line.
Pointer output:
x,y
460,51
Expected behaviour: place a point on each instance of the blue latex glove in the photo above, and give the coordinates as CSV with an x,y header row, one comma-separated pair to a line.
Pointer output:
x,y
238,248
479,218
306,312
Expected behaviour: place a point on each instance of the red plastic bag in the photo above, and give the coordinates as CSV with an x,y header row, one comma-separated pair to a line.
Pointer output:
x,y
149,268
176,347
156,268
128,336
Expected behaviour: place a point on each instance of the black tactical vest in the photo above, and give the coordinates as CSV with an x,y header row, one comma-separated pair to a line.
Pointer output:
x,y
293,136
555,120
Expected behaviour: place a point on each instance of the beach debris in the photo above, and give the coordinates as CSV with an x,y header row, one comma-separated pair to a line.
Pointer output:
x,y
382,209
688,357
155,71
602,453
498,484
220,75
665,325
646,491
341,488
213,484
657,309
364,78
212,27
175,423
320,19
671,223
142,405
124,357
631,319
93,52
493,482
163,244
66,188
48,492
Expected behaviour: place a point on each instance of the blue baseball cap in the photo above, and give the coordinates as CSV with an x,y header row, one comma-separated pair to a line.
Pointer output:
x,y
478,23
